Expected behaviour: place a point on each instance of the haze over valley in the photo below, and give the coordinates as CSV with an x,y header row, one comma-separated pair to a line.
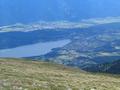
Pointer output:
x,y
81,44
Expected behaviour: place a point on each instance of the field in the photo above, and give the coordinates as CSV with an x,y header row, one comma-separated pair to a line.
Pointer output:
x,y
21,74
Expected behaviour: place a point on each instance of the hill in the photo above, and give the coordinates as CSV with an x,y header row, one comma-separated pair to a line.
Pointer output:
x,y
17,74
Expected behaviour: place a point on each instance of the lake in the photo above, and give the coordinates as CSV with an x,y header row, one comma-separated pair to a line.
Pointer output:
x,y
33,49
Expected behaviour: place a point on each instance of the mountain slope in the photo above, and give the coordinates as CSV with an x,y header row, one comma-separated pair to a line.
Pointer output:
x,y
17,74
113,67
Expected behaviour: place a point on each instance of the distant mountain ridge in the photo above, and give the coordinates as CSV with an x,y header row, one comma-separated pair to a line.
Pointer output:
x,y
43,25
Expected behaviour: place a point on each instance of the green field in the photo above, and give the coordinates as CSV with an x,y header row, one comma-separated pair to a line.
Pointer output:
x,y
18,74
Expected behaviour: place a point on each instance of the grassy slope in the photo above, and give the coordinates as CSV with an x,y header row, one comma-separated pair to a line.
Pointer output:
x,y
34,75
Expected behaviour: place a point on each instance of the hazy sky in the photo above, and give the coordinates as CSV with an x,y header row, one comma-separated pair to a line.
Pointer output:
x,y
13,11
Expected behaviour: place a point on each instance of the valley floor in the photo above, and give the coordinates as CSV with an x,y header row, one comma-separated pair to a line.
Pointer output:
x,y
17,74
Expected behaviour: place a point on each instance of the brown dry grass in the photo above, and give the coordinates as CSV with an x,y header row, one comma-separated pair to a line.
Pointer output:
x,y
17,74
